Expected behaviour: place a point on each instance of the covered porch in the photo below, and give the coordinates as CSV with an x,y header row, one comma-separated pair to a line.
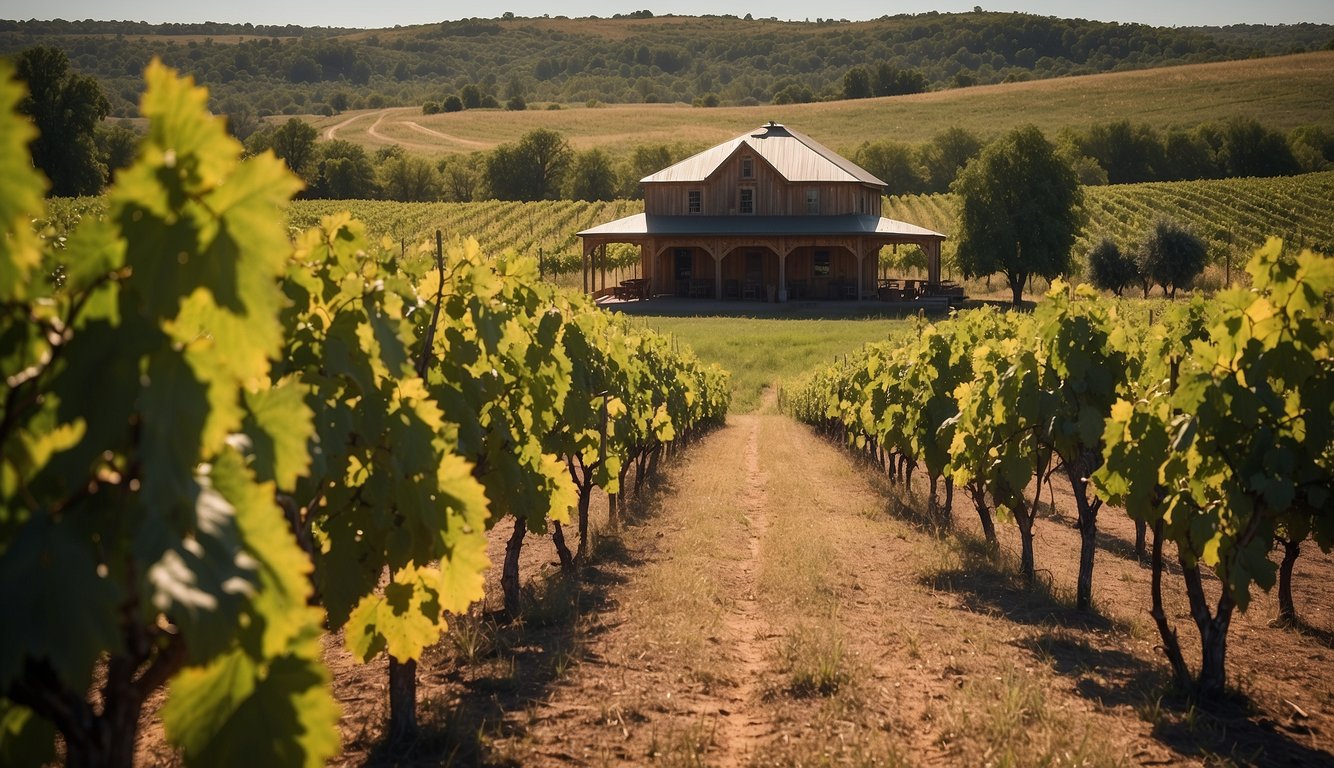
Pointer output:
x,y
831,258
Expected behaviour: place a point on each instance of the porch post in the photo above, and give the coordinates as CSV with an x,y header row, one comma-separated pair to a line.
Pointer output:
x,y
646,264
602,259
782,274
717,277
933,262
861,272
583,263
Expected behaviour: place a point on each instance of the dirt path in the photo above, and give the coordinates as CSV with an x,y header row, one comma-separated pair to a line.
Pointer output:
x,y
447,137
783,605
331,132
374,130
743,724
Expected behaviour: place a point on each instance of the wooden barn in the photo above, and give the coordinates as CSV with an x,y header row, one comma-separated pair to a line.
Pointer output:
x,y
770,215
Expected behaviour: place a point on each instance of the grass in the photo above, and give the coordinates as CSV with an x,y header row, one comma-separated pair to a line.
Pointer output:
x,y
1281,92
815,660
772,352
1009,720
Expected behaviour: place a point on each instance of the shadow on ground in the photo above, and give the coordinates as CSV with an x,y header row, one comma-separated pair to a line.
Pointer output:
x,y
492,670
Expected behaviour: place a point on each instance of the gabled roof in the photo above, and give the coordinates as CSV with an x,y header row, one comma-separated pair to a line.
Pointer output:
x,y
796,156
798,226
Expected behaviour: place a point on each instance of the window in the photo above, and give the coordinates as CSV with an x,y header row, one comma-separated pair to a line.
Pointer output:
x,y
747,201
813,202
821,268
747,168
694,201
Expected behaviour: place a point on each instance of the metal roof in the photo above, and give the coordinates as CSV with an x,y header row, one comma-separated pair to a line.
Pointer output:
x,y
642,224
796,156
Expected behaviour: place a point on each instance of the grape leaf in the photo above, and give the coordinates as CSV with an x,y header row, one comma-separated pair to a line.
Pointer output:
x,y
236,711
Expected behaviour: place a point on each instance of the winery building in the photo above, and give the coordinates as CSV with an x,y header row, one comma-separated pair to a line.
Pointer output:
x,y
770,215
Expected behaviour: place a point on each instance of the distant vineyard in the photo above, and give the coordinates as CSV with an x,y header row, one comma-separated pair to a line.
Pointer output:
x,y
1234,215
548,226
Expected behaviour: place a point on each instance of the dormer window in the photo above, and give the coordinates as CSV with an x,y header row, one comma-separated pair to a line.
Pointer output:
x,y
747,168
695,201
746,203
813,202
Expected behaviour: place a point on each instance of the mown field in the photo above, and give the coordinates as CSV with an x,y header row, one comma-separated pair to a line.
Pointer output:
x,y
1281,92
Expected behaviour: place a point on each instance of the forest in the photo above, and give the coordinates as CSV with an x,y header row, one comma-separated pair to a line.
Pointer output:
x,y
713,60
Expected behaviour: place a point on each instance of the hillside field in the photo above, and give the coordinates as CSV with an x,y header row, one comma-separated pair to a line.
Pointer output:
x,y
1281,92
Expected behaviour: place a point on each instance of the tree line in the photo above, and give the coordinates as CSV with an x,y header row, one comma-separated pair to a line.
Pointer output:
x,y
79,151
541,165
293,70
1117,152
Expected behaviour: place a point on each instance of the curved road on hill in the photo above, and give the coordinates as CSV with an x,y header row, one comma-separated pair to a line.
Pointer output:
x,y
373,131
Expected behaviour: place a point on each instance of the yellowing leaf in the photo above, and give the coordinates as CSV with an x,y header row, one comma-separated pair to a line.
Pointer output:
x,y
403,621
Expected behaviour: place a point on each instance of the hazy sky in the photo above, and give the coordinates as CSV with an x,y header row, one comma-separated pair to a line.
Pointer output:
x,y
342,13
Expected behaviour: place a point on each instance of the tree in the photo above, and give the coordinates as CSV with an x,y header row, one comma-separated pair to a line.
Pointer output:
x,y
242,122
533,169
856,83
1171,256
471,96
591,177
1129,153
410,179
893,162
515,100
945,155
794,93
1110,268
1250,149
294,144
116,146
894,81
1019,210
1187,155
1312,147
459,177
304,69
343,172
66,109
452,104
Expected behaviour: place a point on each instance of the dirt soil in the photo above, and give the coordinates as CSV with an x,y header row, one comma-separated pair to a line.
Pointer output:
x,y
773,601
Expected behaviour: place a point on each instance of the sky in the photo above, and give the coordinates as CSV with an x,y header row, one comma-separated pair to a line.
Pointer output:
x,y
345,13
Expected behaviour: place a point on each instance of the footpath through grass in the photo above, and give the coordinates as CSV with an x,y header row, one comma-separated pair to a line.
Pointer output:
x,y
763,352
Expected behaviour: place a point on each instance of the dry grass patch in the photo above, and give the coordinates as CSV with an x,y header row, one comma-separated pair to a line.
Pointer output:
x,y
1009,719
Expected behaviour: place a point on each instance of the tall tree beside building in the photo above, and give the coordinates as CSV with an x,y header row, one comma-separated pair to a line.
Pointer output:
x,y
1018,210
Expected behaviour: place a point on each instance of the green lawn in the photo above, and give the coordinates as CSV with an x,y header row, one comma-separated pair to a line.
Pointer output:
x,y
764,352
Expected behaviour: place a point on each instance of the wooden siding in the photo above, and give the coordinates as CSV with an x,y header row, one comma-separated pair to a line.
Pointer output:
x,y
774,195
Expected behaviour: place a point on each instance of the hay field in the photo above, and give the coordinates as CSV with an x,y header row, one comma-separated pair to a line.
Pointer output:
x,y
1281,92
